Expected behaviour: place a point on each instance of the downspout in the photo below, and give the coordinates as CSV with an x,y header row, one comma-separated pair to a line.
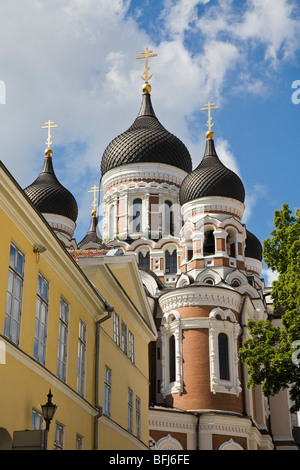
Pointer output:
x,y
109,311
242,365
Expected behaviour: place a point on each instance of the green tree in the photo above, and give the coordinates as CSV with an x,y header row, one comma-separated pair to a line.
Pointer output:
x,y
272,353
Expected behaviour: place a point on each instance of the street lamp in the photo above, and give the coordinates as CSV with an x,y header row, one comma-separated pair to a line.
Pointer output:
x,y
48,410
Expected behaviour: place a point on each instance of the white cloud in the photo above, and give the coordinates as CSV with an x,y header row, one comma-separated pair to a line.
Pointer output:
x,y
269,276
272,24
226,156
252,196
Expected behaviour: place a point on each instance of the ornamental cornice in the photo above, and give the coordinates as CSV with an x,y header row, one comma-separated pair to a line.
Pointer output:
x,y
175,421
143,171
213,204
192,296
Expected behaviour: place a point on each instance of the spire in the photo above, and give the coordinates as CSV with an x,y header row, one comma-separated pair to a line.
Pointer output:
x,y
92,240
145,55
146,106
48,125
211,177
208,107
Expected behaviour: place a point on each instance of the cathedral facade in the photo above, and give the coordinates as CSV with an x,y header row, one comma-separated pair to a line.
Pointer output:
x,y
189,278
201,269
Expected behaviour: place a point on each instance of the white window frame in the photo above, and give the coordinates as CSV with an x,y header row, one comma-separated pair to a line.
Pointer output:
x,y
224,321
131,352
117,329
124,341
14,277
81,358
107,392
62,348
59,436
41,321
130,410
171,326
138,417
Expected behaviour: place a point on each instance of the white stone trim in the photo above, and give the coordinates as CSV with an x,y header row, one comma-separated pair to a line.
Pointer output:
x,y
252,264
171,326
230,445
141,171
60,222
201,295
168,443
232,329
214,205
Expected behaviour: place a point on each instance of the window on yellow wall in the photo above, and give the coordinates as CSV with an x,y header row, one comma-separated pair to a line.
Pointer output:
x,y
107,392
62,340
116,329
138,417
41,319
14,295
131,353
59,437
81,358
124,337
130,410
79,442
37,420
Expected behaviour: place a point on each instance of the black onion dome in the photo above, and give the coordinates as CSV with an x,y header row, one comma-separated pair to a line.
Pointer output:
x,y
49,196
211,178
146,141
253,246
92,236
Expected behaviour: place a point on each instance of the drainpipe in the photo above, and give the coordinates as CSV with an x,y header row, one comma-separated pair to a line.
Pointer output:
x,y
109,311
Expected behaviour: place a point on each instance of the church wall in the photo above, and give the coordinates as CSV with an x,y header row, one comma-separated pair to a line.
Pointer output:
x,y
196,392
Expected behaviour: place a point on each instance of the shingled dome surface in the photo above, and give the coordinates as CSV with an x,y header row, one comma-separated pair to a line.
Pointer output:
x,y
211,178
253,246
49,196
146,141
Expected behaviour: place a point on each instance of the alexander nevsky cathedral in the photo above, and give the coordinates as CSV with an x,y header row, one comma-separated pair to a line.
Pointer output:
x,y
200,267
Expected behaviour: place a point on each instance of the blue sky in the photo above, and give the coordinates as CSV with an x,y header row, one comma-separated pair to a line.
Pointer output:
x,y
74,62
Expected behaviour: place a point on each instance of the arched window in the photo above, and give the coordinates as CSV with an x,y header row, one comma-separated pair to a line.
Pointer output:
x,y
171,262
209,243
169,218
223,356
172,367
144,260
111,221
137,215
231,245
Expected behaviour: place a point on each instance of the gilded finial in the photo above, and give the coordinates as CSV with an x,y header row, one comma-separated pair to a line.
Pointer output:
x,y
145,55
94,190
208,107
48,125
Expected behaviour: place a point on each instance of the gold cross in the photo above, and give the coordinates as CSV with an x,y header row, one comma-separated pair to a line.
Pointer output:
x,y
95,190
209,107
146,55
49,126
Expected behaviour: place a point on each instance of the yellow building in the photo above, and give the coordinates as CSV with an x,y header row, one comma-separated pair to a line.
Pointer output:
x,y
57,326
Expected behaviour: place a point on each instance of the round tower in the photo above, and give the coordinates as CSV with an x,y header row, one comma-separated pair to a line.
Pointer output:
x,y
142,171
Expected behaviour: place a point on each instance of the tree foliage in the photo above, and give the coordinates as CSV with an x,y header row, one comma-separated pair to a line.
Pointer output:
x,y
272,353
